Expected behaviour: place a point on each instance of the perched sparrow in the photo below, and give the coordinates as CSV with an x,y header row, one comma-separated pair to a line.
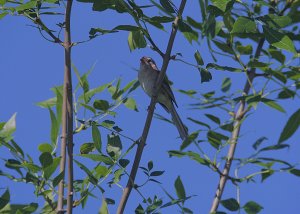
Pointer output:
x,y
147,76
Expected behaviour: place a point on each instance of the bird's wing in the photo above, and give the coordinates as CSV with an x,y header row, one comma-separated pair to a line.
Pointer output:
x,y
165,84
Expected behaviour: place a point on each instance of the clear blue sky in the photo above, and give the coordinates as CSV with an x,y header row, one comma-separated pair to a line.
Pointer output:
x,y
30,66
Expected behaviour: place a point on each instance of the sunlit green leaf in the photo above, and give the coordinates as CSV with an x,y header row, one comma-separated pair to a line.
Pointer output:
x,y
244,25
130,104
221,4
278,39
87,148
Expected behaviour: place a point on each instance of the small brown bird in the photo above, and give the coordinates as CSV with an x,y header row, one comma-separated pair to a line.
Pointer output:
x,y
147,76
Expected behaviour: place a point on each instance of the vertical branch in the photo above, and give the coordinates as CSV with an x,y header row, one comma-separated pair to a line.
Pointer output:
x,y
151,108
236,132
68,46
67,119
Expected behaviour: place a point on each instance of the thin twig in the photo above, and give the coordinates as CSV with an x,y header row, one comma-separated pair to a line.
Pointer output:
x,y
143,139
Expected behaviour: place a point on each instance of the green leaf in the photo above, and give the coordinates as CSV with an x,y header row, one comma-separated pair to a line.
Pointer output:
x,y
97,138
231,204
2,15
278,39
54,127
9,128
215,138
272,104
244,50
244,25
295,172
49,170
167,6
187,31
274,147
258,142
47,103
17,148
4,199
114,146
102,105
188,92
198,122
205,75
87,148
92,178
130,104
198,58
189,140
221,4
286,93
104,208
266,173
31,167
290,127
124,162
136,40
92,92
46,159
223,46
193,23
213,118
150,165
99,158
274,21
101,171
45,147
156,173
28,5
58,178
180,191
277,55
251,207
222,68
162,19
226,84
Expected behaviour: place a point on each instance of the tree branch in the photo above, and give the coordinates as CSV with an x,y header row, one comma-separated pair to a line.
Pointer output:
x,y
67,120
235,133
142,143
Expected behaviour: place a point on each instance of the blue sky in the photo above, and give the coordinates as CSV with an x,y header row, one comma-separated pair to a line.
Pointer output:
x,y
30,66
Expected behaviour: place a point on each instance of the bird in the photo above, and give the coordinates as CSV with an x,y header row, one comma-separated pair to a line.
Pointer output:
x,y
147,76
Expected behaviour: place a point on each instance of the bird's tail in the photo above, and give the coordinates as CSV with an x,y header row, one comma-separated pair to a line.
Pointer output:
x,y
183,132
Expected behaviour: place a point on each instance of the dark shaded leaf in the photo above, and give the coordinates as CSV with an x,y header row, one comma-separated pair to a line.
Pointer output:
x,y
231,204
251,207
180,191
97,138
290,127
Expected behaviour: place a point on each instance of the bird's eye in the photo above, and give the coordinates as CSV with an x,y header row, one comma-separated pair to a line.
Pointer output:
x,y
149,60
